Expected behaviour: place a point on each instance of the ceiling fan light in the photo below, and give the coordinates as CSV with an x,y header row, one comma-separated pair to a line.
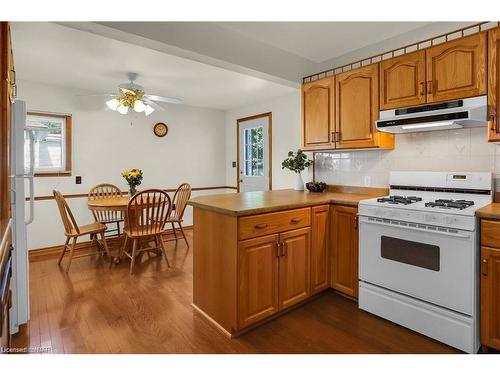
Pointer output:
x,y
113,104
148,110
122,109
139,106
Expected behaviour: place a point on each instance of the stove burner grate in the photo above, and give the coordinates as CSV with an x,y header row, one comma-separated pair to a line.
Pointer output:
x,y
398,199
450,203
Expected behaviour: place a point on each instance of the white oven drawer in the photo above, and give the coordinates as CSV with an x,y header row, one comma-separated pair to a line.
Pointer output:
x,y
431,264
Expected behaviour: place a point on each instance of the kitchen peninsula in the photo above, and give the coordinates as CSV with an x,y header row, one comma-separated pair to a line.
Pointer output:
x,y
258,254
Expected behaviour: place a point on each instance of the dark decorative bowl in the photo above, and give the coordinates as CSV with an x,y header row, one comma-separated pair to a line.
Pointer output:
x,y
316,187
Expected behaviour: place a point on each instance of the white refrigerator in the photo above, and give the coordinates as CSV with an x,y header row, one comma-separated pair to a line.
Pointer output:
x,y
22,172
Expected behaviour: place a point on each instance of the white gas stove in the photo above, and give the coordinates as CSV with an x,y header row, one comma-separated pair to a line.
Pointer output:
x,y
419,254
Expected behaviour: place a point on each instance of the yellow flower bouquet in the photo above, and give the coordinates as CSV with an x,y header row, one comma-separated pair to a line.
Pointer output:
x,y
133,178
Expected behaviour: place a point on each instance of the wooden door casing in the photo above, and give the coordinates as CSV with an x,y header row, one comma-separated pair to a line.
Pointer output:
x,y
344,249
318,105
258,261
6,95
490,297
356,107
294,282
402,81
320,265
493,84
457,69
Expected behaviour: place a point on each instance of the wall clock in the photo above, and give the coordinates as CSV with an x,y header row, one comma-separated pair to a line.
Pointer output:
x,y
160,129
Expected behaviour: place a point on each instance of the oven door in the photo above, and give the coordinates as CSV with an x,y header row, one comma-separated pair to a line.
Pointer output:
x,y
433,264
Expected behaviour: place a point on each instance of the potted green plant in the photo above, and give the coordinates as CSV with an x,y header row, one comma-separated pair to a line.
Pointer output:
x,y
297,162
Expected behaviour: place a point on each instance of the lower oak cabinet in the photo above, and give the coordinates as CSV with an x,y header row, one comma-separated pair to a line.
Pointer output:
x,y
490,297
320,263
273,274
344,249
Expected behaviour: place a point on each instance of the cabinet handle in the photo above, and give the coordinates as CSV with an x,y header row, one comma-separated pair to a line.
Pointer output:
x,y
356,222
277,249
492,120
484,267
12,77
296,220
422,88
283,251
333,136
429,87
260,226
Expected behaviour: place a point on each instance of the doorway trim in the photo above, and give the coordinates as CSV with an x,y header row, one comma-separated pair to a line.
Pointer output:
x,y
270,150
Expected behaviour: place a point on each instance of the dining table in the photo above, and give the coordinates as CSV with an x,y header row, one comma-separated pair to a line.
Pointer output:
x,y
118,204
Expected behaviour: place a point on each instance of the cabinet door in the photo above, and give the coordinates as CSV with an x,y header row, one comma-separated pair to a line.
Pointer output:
x,y
356,107
320,264
317,113
457,69
344,250
258,264
490,297
402,81
294,267
493,84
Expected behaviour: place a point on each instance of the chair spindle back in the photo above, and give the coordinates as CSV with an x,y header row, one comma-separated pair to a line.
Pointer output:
x,y
69,222
148,211
181,197
102,191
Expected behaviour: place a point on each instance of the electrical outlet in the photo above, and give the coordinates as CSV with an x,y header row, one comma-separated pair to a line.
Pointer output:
x,y
234,164
78,180
368,181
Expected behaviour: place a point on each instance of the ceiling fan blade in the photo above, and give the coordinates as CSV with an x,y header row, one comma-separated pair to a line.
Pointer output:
x,y
100,95
163,99
153,104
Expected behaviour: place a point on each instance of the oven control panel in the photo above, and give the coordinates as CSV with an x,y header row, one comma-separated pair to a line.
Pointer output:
x,y
414,216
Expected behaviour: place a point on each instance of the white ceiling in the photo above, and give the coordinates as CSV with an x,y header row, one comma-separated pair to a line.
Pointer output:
x,y
51,53
282,52
320,41
219,65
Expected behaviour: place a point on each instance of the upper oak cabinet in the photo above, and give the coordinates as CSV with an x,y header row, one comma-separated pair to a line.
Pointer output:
x,y
493,84
457,69
451,70
356,107
317,113
402,81
340,112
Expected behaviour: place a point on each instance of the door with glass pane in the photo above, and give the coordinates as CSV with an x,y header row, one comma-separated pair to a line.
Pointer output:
x,y
254,153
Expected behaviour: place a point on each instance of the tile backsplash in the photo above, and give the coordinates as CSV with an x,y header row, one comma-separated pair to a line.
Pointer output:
x,y
451,150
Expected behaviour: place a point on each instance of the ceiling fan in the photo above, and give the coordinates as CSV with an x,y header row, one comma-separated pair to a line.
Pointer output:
x,y
132,96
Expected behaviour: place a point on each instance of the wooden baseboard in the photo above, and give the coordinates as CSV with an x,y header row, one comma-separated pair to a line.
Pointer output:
x,y
52,251
212,321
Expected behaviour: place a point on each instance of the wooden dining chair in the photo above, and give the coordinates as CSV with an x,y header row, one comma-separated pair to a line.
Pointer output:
x,y
181,197
72,231
107,217
147,214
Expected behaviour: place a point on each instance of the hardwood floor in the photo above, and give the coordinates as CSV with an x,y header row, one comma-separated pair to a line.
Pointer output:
x,y
97,310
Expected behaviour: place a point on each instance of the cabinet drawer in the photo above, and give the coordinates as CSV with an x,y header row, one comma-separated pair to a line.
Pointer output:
x,y
260,225
490,233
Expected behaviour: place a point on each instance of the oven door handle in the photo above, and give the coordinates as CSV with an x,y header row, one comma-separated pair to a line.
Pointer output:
x,y
365,221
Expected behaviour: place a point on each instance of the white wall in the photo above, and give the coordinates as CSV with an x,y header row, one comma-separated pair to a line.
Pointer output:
x,y
286,136
449,150
105,143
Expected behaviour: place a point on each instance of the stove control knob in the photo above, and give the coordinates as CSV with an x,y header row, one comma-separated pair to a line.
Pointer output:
x,y
393,214
430,218
450,220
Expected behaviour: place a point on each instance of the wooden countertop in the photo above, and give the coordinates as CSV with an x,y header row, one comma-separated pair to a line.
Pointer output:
x,y
240,204
491,211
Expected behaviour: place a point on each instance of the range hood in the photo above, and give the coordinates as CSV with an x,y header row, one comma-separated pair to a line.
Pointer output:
x,y
463,113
